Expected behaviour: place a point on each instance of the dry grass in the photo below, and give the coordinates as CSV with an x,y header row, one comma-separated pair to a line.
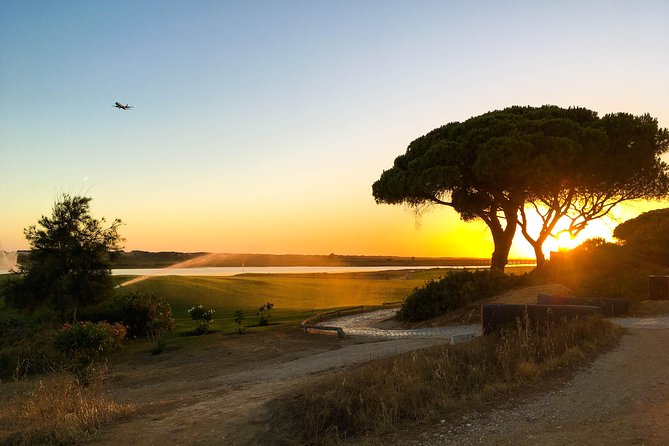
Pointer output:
x,y
56,410
383,395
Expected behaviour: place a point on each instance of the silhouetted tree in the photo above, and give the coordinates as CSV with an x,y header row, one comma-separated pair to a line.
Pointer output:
x,y
646,235
560,163
590,165
69,263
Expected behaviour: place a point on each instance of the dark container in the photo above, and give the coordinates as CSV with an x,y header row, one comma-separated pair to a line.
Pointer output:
x,y
610,307
496,316
659,287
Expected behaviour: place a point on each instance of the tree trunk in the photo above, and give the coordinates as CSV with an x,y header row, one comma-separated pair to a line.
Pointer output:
x,y
502,239
539,254
499,259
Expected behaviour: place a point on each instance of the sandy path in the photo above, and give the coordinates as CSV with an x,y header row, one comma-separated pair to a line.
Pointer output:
x,y
227,407
621,399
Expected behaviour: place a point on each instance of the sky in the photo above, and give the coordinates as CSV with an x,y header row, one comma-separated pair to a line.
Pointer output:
x,y
260,126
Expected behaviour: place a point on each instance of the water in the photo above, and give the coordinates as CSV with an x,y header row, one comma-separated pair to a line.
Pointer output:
x,y
7,261
235,270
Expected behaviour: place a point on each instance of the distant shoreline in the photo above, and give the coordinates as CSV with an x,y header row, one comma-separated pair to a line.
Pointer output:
x,y
173,259
141,259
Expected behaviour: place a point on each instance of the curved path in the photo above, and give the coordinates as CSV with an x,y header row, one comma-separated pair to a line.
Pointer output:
x,y
362,325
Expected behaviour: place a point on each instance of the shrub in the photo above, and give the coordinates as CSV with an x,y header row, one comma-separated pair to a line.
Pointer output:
x,y
82,342
155,333
25,345
202,316
453,291
603,270
238,317
137,311
265,312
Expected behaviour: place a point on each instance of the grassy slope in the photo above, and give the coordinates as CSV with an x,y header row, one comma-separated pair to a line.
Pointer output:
x,y
295,296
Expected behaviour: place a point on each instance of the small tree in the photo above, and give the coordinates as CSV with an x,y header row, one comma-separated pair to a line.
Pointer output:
x,y
239,318
202,316
69,264
265,313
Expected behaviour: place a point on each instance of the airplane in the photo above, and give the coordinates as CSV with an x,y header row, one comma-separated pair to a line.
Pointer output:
x,y
122,107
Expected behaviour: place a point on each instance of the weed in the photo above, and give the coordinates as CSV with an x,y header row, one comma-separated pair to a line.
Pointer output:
x,y
58,409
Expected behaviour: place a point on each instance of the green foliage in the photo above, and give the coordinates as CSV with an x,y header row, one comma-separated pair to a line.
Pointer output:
x,y
83,342
563,163
647,235
25,345
454,291
265,312
202,316
86,340
297,297
136,310
69,261
155,333
239,318
600,269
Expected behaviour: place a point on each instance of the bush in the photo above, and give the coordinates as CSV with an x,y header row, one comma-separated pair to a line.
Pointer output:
x,y
155,333
239,317
25,345
454,291
82,342
202,316
265,312
137,311
602,270
88,337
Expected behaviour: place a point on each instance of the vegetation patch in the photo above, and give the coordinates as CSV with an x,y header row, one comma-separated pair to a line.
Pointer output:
x,y
443,381
56,410
137,311
454,291
597,269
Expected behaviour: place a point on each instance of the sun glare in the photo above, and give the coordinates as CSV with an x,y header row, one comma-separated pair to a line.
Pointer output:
x,y
565,241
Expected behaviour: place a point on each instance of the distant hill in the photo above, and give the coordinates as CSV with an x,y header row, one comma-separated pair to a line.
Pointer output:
x,y
143,259
165,259
146,259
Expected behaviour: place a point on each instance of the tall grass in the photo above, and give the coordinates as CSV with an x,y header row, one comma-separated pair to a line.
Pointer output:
x,y
56,410
441,381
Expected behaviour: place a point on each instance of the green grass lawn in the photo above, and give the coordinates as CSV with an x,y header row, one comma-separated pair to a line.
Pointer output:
x,y
295,296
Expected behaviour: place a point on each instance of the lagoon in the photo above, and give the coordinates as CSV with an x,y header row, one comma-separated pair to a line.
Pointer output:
x,y
237,270
224,271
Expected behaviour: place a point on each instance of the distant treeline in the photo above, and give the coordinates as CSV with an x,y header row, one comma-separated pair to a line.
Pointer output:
x,y
137,259
146,259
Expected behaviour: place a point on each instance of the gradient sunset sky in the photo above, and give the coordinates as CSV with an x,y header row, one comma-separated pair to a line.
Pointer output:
x,y
260,126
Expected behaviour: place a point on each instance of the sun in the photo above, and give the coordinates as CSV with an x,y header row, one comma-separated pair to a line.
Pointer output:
x,y
565,241
561,239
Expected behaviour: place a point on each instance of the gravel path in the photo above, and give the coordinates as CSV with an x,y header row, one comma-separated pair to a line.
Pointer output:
x,y
361,325
621,399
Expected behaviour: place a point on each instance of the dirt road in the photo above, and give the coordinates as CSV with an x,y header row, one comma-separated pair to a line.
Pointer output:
x,y
621,399
219,398
217,394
